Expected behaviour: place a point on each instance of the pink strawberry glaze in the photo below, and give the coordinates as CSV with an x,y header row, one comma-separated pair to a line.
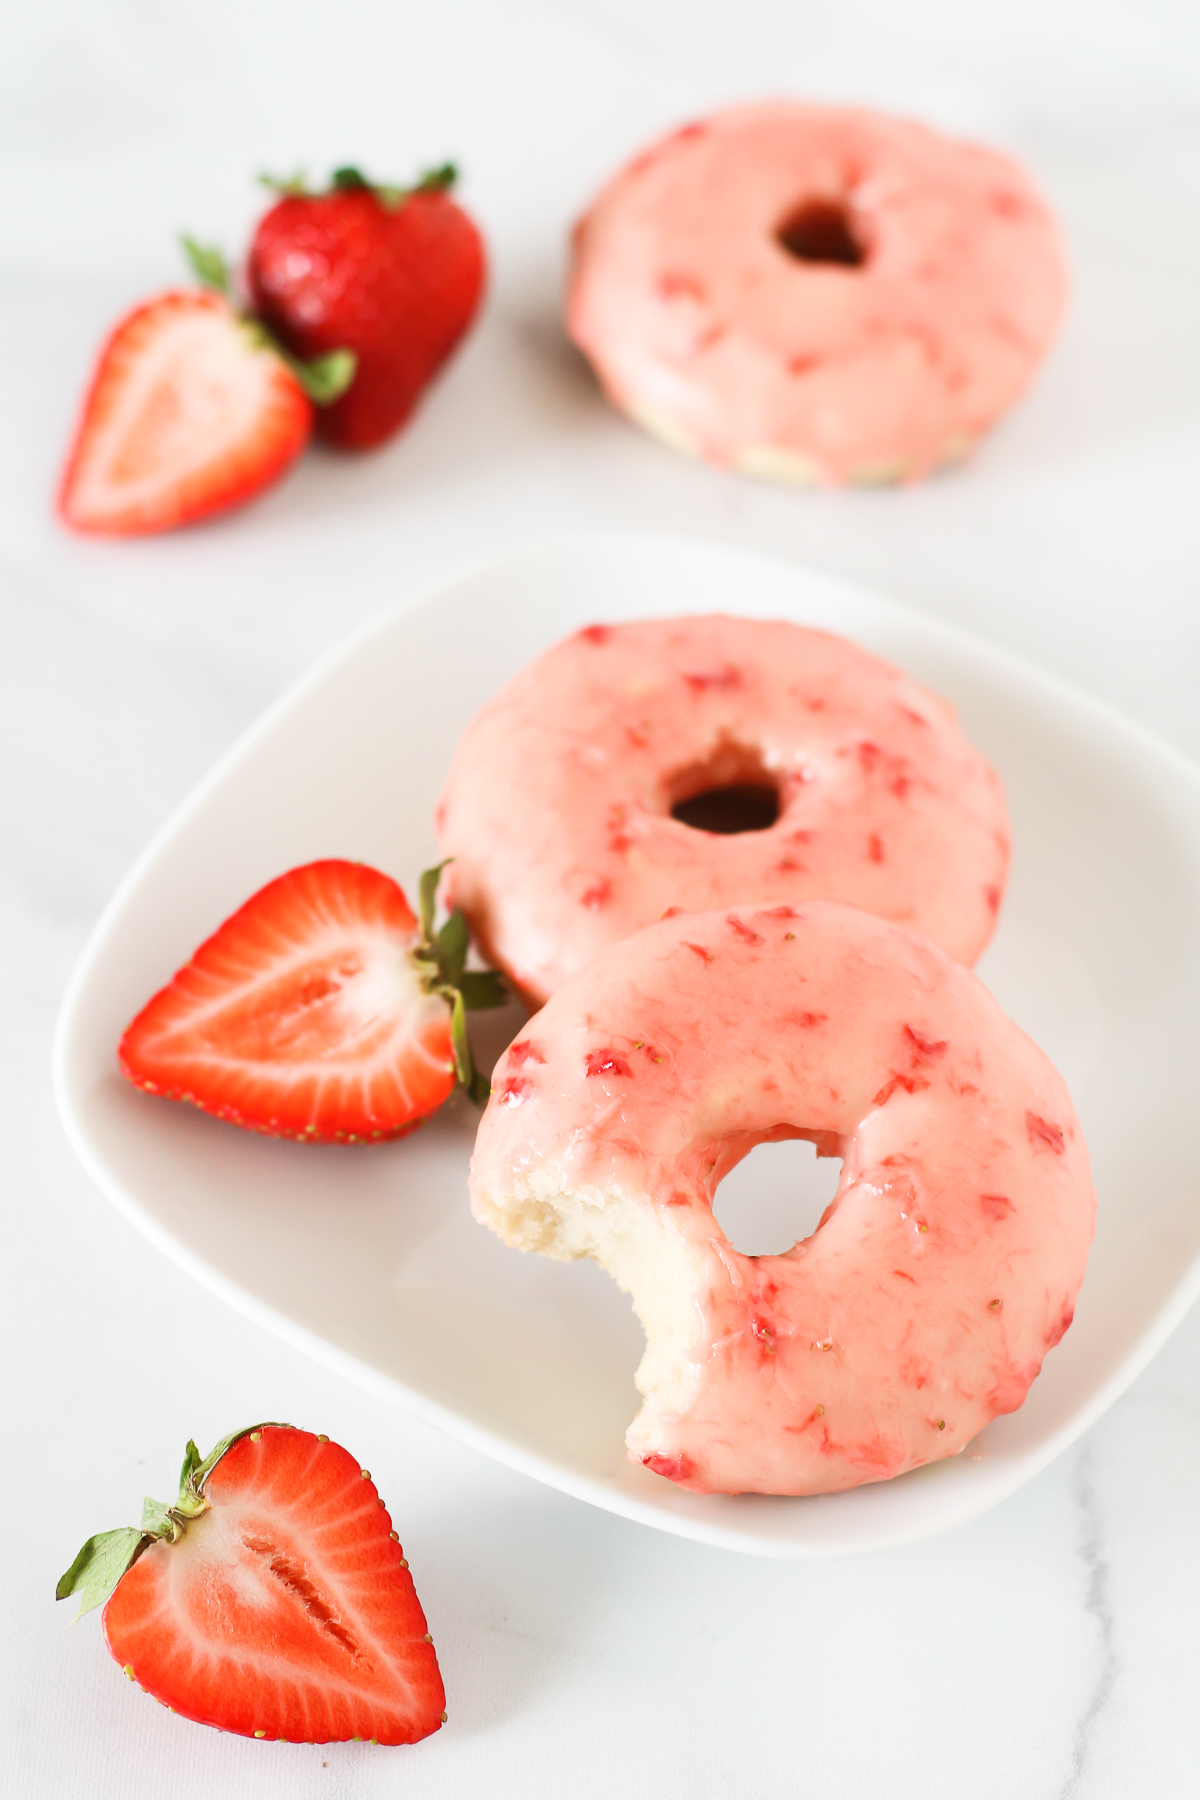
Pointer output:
x,y
949,1260
704,328
557,807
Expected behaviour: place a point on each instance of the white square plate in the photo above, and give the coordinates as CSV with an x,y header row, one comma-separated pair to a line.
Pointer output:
x,y
369,1258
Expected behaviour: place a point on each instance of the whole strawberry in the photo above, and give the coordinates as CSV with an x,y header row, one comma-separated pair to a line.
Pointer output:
x,y
393,274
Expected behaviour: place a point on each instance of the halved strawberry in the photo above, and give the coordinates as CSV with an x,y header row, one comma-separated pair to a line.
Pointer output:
x,y
194,407
272,1599
321,1010
190,412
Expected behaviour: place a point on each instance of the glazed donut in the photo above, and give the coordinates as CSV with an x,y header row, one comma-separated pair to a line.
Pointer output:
x,y
815,294
947,1264
559,813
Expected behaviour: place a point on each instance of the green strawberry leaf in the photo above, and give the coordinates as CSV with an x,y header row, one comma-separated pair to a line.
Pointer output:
x,y
207,265
156,1519
291,184
476,1085
388,193
452,943
100,1565
439,179
460,1043
427,889
326,378
482,989
440,963
191,1462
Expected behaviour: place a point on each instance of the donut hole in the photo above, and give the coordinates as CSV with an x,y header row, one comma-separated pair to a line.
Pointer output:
x,y
744,806
775,1196
732,791
821,231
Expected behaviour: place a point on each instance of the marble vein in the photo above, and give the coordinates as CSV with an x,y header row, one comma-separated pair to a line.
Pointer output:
x,y
1097,1601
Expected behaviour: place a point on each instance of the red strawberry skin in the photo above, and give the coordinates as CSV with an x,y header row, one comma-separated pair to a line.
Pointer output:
x,y
286,1610
397,285
302,1016
186,416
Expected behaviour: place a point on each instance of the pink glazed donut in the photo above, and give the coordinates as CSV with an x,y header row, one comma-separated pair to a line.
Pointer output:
x,y
947,1264
815,294
698,762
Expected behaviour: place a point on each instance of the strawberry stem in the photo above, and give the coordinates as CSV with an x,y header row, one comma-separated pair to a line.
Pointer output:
x,y
440,961
106,1557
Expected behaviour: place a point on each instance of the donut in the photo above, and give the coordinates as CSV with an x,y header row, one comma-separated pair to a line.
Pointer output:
x,y
946,1265
810,293
698,762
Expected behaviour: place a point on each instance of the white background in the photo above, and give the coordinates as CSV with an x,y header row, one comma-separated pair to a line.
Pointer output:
x,y
1050,1649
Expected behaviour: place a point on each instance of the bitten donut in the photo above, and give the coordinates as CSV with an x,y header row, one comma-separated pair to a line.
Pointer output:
x,y
947,1264
816,294
586,798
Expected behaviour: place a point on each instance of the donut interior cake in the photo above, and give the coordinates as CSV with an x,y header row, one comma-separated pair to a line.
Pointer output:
x,y
546,1212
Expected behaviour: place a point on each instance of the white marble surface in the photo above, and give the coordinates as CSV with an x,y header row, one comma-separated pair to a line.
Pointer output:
x,y
1050,1649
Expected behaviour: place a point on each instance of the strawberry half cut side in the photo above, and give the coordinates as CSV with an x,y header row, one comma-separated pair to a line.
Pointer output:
x,y
322,1010
272,1599
190,412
